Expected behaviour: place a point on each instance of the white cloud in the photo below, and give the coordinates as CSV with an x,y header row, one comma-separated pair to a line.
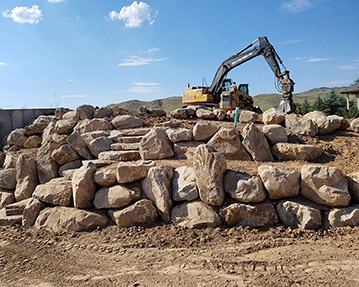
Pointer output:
x,y
134,15
314,60
135,61
75,96
2,64
145,88
57,1
71,80
296,6
31,15
152,50
297,59
352,66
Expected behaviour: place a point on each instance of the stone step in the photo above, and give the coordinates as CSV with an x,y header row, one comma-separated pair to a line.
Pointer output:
x,y
125,146
130,139
120,155
9,220
135,132
16,208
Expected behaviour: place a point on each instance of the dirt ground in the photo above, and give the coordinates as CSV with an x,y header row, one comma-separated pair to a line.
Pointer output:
x,y
167,255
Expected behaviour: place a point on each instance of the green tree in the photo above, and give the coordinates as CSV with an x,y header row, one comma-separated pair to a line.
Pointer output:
x,y
306,107
318,104
334,104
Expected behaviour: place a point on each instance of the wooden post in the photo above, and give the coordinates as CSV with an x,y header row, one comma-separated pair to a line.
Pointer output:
x,y
348,102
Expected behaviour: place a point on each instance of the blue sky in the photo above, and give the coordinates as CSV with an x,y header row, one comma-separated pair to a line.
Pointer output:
x,y
72,52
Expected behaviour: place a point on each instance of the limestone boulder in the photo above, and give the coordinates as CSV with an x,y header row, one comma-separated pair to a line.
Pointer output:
x,y
124,155
87,126
84,186
32,142
57,191
10,160
114,197
9,220
140,212
353,184
179,113
195,214
348,216
106,176
69,166
355,125
155,145
278,182
157,188
184,184
275,134
31,211
231,114
290,151
99,145
344,123
102,113
48,133
259,215
298,125
324,185
185,150
247,117
17,137
64,126
16,208
6,197
8,178
85,112
299,214
256,143
273,116
132,171
179,135
77,142
243,187
26,177
126,122
67,219
39,125
228,142
205,114
209,167
326,124
220,114
90,136
204,131
71,115
64,154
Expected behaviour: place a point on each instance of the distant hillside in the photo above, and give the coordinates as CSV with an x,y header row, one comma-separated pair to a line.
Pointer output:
x,y
264,101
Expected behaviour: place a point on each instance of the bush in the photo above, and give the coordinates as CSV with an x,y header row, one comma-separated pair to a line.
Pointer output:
x,y
334,104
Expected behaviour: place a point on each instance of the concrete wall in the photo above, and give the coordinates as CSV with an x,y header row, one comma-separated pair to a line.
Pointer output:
x,y
13,119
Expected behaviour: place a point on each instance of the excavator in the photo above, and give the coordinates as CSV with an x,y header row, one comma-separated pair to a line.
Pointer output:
x,y
227,95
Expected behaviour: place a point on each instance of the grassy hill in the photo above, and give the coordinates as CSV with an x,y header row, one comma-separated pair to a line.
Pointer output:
x,y
264,101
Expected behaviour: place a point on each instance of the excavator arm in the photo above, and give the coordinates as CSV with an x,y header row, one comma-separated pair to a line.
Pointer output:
x,y
265,49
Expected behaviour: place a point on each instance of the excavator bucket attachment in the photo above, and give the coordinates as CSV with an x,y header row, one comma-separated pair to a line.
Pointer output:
x,y
287,106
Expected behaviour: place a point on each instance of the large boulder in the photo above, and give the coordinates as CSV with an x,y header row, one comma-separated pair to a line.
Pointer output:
x,y
179,113
209,167
26,177
179,135
85,112
8,178
185,150
126,122
10,160
155,145
64,154
324,185
38,125
83,186
275,134
298,125
67,219
17,137
348,216
57,191
132,171
278,182
273,116
47,168
291,151
243,187
122,155
105,176
344,123
86,126
247,117
102,113
99,145
64,126
326,125
259,215
71,116
227,141
203,131
6,197
355,125
195,214
221,115
114,197
157,187
140,212
90,136
256,143
31,211
205,114
353,184
77,142
32,142
69,165
184,184
299,214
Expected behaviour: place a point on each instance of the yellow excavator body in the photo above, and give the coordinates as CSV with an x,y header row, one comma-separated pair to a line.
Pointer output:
x,y
196,95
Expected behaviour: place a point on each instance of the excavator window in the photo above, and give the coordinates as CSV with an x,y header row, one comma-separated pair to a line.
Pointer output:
x,y
244,89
